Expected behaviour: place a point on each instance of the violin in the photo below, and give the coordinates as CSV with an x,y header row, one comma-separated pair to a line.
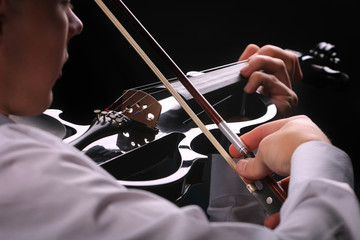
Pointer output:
x,y
178,149
148,121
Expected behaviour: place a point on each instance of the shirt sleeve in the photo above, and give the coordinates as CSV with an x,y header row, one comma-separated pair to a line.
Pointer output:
x,y
321,202
50,191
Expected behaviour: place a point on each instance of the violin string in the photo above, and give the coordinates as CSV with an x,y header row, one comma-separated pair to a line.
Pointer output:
x,y
116,101
151,85
225,66
138,112
141,88
174,79
142,108
138,101
214,115
122,103
214,105
162,78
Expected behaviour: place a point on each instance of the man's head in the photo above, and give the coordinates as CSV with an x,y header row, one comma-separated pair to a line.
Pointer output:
x,y
34,35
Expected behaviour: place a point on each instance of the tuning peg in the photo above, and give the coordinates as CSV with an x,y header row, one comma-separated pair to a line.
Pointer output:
x,y
112,117
97,113
118,121
325,54
104,114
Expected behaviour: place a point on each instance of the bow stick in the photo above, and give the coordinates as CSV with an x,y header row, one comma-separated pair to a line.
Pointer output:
x,y
269,194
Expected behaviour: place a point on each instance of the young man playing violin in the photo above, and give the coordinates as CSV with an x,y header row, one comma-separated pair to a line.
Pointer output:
x,y
49,190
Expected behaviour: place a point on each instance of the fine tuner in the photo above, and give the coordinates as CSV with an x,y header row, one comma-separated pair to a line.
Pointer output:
x,y
135,108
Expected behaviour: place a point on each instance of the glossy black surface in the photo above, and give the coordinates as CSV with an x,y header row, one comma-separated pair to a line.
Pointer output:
x,y
204,34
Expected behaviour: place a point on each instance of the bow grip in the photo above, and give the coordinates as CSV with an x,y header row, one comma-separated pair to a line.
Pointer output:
x,y
269,194
267,191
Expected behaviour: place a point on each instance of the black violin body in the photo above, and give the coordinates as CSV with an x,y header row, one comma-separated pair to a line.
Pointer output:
x,y
169,158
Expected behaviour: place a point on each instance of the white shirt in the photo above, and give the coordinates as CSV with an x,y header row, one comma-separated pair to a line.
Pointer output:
x,y
48,190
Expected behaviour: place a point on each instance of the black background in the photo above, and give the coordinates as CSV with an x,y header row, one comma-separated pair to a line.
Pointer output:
x,y
200,34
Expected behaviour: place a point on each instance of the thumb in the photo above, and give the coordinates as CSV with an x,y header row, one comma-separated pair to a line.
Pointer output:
x,y
252,168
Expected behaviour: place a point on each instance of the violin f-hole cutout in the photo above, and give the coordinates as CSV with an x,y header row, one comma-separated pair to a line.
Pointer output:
x,y
141,107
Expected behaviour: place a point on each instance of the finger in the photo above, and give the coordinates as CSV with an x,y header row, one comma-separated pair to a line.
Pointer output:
x,y
268,64
268,140
250,50
272,221
253,138
290,59
234,152
275,52
252,169
269,83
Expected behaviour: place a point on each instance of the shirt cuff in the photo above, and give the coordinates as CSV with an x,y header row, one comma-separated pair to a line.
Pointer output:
x,y
315,159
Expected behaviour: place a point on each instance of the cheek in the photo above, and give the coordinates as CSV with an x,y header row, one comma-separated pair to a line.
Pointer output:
x,y
56,53
54,46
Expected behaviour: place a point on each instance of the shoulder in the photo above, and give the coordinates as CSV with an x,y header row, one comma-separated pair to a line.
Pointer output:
x,y
27,149
34,162
21,135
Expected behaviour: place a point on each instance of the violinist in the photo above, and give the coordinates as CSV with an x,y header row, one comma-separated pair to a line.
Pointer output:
x,y
50,190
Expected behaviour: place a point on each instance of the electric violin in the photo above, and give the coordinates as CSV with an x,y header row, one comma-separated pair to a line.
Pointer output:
x,y
146,140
